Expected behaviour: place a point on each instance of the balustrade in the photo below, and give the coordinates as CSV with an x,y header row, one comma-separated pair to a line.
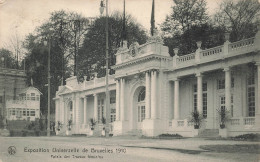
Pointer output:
x,y
241,44
249,121
186,58
180,123
212,51
216,53
235,121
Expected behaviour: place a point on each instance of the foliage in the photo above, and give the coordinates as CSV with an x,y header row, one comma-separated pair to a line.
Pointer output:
x,y
196,118
238,17
24,133
103,120
69,124
170,135
92,123
185,14
59,125
92,53
9,60
187,24
224,116
61,29
248,137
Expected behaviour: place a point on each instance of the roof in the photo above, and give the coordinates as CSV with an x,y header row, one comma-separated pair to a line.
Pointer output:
x,y
29,88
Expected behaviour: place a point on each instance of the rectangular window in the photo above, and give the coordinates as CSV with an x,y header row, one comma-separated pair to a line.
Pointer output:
x,y
112,100
204,98
100,109
204,87
141,113
37,98
195,89
33,96
251,95
113,114
232,107
28,113
28,96
232,82
32,112
221,84
24,112
13,111
205,105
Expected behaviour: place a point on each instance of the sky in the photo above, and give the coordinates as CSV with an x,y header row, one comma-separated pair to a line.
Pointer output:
x,y
21,17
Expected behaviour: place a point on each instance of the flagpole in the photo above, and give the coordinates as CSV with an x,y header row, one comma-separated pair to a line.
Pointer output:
x,y
152,20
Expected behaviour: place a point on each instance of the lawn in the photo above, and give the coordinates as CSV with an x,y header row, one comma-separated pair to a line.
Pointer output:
x,y
240,148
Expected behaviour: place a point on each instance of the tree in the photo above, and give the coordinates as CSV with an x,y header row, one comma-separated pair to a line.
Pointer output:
x,y
60,29
185,14
240,18
92,52
187,18
9,60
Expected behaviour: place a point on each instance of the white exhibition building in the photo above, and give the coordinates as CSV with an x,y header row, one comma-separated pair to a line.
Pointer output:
x,y
152,93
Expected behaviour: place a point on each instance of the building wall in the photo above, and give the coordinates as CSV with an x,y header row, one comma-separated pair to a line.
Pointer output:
x,y
9,79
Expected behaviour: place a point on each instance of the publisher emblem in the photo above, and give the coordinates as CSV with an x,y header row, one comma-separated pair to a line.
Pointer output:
x,y
11,150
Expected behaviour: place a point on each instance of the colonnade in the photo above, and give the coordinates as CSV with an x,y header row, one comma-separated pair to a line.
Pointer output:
x,y
199,77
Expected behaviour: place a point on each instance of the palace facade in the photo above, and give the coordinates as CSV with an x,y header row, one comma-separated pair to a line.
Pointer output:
x,y
152,93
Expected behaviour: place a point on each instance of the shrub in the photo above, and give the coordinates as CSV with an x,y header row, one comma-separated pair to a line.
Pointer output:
x,y
11,133
169,135
250,137
24,133
37,132
196,118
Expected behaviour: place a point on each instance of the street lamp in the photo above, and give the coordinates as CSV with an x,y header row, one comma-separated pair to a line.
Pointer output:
x,y
101,9
49,83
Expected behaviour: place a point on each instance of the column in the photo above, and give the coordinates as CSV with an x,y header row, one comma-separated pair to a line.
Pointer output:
x,y
258,89
199,93
74,110
117,100
95,107
85,110
61,115
122,99
147,95
227,88
77,109
153,94
176,99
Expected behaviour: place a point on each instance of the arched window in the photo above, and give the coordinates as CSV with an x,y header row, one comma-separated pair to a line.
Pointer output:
x,y
141,96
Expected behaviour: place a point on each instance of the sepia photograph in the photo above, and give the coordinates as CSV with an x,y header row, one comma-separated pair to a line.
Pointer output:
x,y
129,80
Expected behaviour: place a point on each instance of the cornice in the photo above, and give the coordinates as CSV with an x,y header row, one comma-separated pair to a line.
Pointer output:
x,y
141,59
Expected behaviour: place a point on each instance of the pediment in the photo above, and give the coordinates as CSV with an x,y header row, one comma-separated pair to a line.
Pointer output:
x,y
65,89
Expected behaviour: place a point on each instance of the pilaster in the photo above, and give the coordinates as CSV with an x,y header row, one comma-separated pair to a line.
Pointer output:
x,y
85,110
95,107
117,100
122,99
147,95
153,94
